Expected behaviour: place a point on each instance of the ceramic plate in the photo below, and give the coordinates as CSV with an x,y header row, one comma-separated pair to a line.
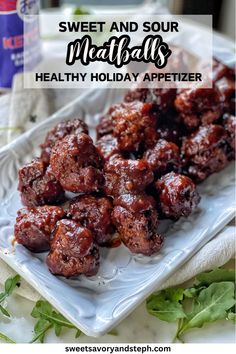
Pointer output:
x,y
97,304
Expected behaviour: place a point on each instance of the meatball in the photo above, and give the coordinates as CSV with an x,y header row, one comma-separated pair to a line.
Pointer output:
x,y
170,127
139,94
220,70
94,213
177,195
171,131
75,126
107,146
134,125
136,219
125,175
105,126
223,78
229,123
73,251
163,158
34,226
38,185
204,152
162,97
198,106
76,164
226,87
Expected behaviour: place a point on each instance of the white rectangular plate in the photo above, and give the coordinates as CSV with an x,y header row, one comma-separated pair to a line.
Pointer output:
x,y
124,280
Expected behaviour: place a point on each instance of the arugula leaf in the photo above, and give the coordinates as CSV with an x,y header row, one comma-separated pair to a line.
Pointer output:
x,y
231,316
48,318
81,11
40,329
215,276
193,292
9,286
6,339
174,294
210,305
113,332
4,311
78,333
212,297
166,305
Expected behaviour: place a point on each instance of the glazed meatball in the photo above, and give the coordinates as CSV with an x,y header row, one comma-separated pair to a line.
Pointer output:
x,y
34,226
162,97
171,131
38,185
170,127
61,130
73,251
226,87
220,70
177,195
105,125
204,152
223,78
163,158
126,176
107,146
136,219
198,106
139,94
76,164
94,213
229,123
134,125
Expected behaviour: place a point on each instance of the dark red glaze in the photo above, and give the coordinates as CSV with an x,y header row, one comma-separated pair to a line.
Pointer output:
x,y
62,129
136,219
94,213
34,226
135,125
105,125
171,131
220,70
139,94
107,146
198,106
38,185
226,86
163,98
204,152
126,175
163,158
73,251
131,177
229,123
177,195
77,164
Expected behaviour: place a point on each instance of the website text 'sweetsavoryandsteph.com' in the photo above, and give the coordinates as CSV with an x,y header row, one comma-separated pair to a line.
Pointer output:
x,y
118,348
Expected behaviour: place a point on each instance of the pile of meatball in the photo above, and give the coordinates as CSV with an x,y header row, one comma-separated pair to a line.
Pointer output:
x,y
151,151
